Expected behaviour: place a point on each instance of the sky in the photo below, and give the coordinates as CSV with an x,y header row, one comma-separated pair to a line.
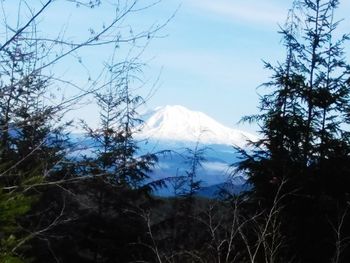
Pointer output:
x,y
213,56
208,57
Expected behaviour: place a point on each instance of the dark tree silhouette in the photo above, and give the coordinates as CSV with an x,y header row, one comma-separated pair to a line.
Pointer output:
x,y
34,164
304,127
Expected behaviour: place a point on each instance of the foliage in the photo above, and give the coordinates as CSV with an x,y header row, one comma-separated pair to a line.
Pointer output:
x,y
304,127
12,206
34,147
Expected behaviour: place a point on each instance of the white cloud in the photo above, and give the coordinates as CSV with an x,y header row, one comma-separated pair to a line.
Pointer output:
x,y
216,166
253,11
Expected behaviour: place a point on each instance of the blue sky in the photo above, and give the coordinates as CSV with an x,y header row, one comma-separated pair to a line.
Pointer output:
x,y
208,57
213,55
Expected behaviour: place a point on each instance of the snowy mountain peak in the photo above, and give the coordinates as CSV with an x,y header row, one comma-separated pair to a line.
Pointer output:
x,y
178,123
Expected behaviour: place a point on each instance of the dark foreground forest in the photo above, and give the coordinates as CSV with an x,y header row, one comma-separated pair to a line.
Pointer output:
x,y
59,205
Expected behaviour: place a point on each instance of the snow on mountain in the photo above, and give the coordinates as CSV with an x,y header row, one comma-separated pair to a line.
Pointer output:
x,y
178,123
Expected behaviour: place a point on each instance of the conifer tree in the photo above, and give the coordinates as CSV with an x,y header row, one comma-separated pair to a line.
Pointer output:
x,y
117,152
304,126
33,143
118,176
30,145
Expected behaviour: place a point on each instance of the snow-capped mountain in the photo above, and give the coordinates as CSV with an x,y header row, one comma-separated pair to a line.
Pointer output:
x,y
178,123
178,129
172,132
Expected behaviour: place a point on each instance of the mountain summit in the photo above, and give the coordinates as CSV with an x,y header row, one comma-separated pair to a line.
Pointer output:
x,y
177,123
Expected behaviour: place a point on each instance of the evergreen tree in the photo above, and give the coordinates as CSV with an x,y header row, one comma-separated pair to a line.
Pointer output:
x,y
34,197
31,147
117,153
117,187
304,126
